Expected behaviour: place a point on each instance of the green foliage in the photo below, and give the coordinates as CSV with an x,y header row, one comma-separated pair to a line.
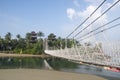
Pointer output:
x,y
8,36
18,36
38,48
26,45
28,51
40,34
17,50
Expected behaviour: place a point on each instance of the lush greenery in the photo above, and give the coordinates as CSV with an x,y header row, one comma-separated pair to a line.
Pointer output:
x,y
33,43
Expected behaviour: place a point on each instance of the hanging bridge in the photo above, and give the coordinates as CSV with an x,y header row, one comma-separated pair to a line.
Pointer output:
x,y
92,45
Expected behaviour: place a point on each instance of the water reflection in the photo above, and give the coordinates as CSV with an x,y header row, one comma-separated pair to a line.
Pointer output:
x,y
8,63
56,64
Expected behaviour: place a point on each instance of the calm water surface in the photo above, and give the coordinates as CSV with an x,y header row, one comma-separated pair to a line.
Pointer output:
x,y
56,64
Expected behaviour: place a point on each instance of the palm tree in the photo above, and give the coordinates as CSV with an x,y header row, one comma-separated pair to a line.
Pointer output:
x,y
0,43
28,39
27,36
51,37
51,40
59,42
8,41
8,36
18,36
40,34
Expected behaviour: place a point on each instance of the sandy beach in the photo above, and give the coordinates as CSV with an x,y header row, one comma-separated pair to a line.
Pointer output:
x,y
38,74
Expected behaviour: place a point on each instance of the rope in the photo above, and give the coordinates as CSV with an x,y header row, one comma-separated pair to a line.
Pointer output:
x,y
86,19
99,27
97,18
101,31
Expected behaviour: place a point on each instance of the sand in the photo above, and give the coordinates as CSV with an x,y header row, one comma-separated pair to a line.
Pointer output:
x,y
21,55
38,74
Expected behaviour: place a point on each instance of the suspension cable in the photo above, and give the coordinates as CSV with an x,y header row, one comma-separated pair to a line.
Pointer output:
x,y
101,31
97,18
99,27
86,19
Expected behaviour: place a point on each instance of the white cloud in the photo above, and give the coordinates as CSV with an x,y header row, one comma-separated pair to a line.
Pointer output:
x,y
71,13
84,14
76,3
81,15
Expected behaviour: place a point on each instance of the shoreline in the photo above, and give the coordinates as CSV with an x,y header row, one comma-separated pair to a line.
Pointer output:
x,y
39,74
22,55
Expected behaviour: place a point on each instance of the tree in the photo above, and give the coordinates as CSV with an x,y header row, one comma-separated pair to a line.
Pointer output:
x,y
51,40
27,36
18,36
70,43
38,48
40,34
8,36
59,42
8,41
63,43
0,38
1,43
21,44
51,37
28,39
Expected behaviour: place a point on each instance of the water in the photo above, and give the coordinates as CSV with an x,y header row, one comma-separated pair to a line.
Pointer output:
x,y
56,64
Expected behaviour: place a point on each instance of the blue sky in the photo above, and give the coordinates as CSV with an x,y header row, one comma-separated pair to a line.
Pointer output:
x,y
21,16
50,16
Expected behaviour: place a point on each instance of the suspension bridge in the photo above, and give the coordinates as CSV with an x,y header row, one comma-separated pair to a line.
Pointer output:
x,y
101,51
